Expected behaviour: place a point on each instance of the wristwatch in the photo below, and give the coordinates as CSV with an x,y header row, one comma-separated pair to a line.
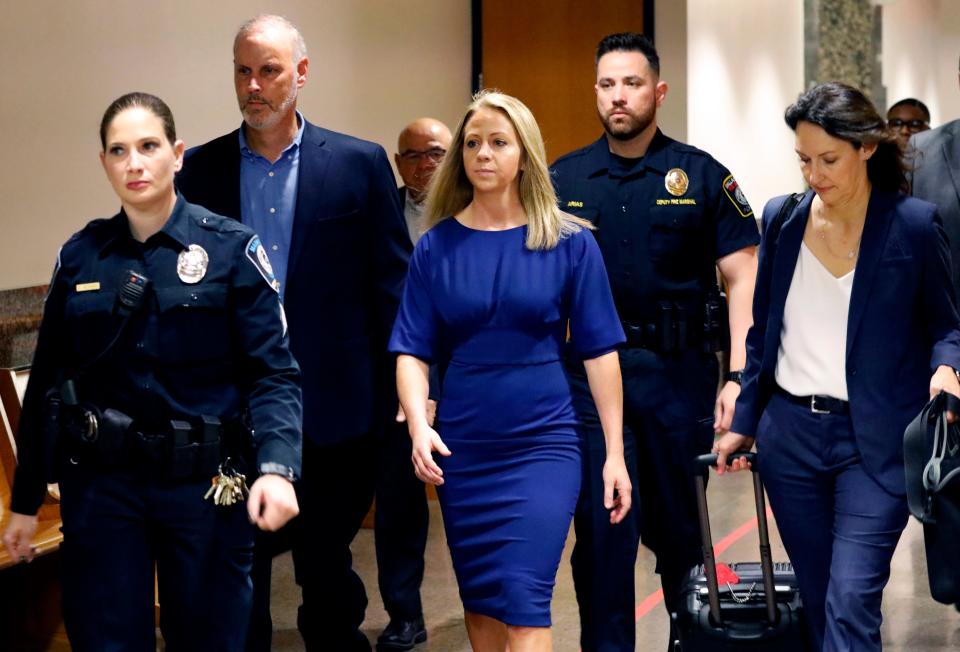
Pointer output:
x,y
734,376
272,468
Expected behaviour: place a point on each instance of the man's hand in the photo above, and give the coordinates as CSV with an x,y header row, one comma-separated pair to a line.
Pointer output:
x,y
272,502
18,535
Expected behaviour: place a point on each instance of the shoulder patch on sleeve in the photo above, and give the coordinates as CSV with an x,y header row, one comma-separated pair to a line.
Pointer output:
x,y
736,196
257,254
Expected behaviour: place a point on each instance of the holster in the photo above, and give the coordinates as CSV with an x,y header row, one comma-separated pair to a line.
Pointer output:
x,y
716,322
88,432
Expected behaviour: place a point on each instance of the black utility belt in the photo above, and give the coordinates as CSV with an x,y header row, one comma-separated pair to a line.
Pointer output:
x,y
177,450
675,326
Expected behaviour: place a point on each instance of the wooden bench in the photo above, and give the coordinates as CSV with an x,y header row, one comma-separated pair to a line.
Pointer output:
x,y
48,535
33,620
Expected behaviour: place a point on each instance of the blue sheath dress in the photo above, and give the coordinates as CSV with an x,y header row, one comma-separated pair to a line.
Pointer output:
x,y
495,315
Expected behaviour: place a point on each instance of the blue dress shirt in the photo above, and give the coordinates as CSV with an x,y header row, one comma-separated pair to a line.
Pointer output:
x,y
268,199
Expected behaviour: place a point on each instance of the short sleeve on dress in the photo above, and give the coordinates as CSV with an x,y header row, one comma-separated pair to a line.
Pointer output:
x,y
415,330
594,324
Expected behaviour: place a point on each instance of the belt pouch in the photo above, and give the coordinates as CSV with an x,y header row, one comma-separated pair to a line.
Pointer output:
x,y
665,331
208,450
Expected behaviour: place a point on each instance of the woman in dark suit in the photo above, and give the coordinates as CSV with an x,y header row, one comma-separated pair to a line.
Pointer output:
x,y
855,326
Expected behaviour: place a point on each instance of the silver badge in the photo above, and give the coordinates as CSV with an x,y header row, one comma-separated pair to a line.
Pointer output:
x,y
192,264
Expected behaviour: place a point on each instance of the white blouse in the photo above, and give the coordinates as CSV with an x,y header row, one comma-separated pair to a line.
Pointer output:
x,y
813,343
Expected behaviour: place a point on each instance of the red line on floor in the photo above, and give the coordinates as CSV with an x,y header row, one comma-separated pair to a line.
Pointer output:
x,y
655,598
648,603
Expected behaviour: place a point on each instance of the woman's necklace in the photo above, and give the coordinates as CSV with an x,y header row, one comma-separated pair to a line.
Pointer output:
x,y
851,253
821,232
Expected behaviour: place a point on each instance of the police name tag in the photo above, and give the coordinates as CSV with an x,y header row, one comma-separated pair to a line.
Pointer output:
x,y
88,287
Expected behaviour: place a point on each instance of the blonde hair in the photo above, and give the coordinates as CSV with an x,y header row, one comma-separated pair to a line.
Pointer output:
x,y
451,191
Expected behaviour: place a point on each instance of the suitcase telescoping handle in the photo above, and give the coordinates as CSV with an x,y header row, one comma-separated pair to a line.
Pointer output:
x,y
704,462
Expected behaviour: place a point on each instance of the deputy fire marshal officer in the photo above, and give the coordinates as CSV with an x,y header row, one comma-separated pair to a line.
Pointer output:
x,y
668,216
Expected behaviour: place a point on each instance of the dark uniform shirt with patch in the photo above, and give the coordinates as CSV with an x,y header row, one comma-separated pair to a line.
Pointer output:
x,y
213,347
656,244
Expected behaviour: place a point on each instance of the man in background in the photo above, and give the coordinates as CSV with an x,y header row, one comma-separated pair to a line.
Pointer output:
x,y
907,117
936,178
402,517
420,149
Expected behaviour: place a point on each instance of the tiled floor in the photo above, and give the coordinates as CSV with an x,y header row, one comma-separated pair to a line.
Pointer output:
x,y
913,621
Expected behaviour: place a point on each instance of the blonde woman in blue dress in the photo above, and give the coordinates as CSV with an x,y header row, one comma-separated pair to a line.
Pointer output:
x,y
491,290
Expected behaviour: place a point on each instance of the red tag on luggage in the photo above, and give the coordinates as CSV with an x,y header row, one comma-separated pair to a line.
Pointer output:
x,y
725,575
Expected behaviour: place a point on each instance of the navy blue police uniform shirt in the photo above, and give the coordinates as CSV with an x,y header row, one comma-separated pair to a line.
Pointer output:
x,y
210,338
662,220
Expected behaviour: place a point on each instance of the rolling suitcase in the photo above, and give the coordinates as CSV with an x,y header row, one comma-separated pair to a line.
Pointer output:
x,y
758,605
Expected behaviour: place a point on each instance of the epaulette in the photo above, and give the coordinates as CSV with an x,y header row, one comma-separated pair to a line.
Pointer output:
x,y
217,223
577,153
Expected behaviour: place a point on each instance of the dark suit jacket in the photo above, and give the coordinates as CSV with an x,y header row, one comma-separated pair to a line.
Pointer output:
x,y
936,178
902,324
347,265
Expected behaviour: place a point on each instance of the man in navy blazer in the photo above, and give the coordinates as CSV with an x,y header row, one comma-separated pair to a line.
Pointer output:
x,y
936,178
326,207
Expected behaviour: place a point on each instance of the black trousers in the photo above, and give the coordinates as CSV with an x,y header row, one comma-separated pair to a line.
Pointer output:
x,y
668,421
335,493
116,526
400,525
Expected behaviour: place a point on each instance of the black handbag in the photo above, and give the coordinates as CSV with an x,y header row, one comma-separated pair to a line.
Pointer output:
x,y
931,453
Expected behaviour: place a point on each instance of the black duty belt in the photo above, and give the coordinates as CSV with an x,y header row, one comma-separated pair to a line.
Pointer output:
x,y
179,449
818,404
671,337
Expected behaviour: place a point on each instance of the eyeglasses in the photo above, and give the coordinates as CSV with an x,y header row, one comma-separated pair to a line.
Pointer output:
x,y
912,125
434,154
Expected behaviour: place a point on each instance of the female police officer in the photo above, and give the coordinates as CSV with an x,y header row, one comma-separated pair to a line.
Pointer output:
x,y
162,349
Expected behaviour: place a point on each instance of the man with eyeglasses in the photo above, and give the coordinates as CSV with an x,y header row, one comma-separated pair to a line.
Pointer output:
x,y
401,518
907,117
420,149
936,178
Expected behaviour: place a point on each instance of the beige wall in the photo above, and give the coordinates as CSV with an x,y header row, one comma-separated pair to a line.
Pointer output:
x,y
921,46
744,66
670,35
375,65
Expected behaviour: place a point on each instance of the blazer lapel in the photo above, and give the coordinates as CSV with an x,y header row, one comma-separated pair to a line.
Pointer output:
x,y
784,263
314,160
231,184
951,155
875,230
